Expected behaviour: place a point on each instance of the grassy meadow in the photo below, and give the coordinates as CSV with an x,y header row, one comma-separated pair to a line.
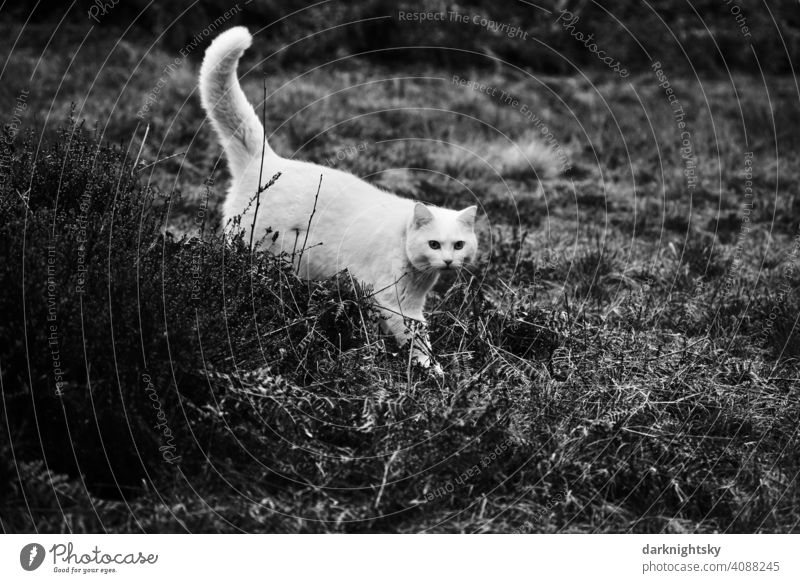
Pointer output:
x,y
622,357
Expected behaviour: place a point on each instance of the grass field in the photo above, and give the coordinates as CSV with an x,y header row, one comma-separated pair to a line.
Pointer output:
x,y
622,357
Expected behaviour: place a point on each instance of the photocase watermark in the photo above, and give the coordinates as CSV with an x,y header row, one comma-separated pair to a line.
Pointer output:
x,y
32,556
509,100
12,129
783,291
687,148
489,90
168,70
95,560
52,319
101,8
508,30
198,243
568,21
696,300
551,261
740,18
167,448
531,524
644,289
81,227
450,486
347,152
744,227
66,560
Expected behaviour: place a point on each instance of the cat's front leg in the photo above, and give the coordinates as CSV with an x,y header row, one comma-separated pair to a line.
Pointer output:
x,y
411,332
421,351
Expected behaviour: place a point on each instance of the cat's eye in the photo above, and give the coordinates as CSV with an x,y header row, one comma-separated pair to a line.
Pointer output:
x,y
458,245
434,244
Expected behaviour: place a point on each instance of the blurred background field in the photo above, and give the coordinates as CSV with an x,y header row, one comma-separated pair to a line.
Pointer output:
x,y
626,339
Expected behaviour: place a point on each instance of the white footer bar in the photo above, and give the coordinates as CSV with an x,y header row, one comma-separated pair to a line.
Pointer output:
x,y
401,558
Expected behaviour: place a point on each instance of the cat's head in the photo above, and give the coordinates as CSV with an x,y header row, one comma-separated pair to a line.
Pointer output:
x,y
441,239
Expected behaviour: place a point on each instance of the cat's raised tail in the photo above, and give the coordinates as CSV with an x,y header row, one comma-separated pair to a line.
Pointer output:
x,y
232,116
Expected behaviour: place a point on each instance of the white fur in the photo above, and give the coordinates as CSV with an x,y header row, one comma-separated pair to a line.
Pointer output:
x,y
380,238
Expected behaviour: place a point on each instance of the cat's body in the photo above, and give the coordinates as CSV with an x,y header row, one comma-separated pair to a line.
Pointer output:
x,y
382,239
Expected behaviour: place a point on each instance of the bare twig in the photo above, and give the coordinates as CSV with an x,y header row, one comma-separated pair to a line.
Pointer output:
x,y
25,200
146,166
395,282
257,198
294,246
308,228
261,169
385,478
144,139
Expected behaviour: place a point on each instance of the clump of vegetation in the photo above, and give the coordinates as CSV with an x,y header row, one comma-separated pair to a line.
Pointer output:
x,y
160,382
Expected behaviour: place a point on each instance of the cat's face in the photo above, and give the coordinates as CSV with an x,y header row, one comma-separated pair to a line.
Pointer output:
x,y
441,239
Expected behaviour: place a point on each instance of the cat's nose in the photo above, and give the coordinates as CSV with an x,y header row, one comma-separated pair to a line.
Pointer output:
x,y
447,262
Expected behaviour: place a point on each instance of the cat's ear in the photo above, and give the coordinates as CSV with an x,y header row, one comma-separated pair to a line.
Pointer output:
x,y
422,215
467,216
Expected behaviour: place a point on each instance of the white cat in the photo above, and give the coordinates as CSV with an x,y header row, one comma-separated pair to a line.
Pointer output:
x,y
397,245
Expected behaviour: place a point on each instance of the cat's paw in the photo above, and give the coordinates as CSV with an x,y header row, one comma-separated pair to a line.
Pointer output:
x,y
421,359
427,363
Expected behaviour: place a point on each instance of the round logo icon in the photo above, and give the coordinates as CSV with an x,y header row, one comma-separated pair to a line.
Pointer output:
x,y
31,556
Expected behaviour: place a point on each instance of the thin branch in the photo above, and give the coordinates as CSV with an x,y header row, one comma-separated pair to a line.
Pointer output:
x,y
261,169
294,247
144,139
385,478
308,228
257,198
145,167
25,200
